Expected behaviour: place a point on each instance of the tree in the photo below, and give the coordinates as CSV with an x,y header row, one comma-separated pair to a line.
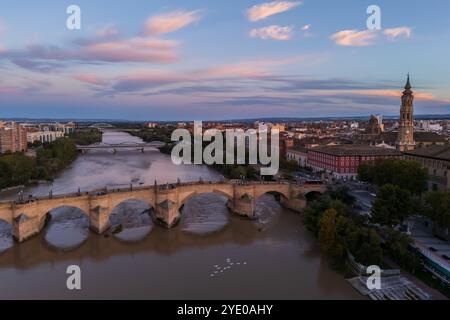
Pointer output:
x,y
316,209
16,169
365,245
398,247
342,193
86,136
238,172
289,165
408,175
332,230
392,206
339,230
365,172
437,208
5,174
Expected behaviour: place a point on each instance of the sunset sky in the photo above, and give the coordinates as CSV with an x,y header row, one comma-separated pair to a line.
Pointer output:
x,y
211,59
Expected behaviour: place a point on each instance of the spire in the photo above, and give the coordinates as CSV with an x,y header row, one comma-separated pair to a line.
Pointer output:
x,y
408,84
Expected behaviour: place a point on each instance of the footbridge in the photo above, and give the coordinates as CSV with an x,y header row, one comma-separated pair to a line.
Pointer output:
x,y
29,217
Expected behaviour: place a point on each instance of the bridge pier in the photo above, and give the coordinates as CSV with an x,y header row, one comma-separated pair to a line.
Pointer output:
x,y
244,206
25,227
167,213
297,205
99,219
297,201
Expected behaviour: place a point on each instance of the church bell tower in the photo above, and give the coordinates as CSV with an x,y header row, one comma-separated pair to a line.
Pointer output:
x,y
405,141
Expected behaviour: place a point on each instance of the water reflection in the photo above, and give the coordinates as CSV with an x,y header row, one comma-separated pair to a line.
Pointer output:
x,y
204,214
67,228
131,221
6,239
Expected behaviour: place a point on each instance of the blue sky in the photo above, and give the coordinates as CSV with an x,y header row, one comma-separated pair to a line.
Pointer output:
x,y
201,60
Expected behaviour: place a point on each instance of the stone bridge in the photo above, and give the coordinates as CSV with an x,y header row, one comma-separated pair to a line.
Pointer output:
x,y
29,218
117,146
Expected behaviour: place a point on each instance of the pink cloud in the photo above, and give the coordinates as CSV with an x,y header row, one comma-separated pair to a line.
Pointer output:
x,y
138,49
8,90
151,78
381,93
89,78
147,78
255,68
134,49
354,38
265,10
396,94
170,22
273,32
236,70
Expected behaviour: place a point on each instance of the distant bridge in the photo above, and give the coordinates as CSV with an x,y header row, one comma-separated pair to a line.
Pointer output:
x,y
29,216
101,125
117,146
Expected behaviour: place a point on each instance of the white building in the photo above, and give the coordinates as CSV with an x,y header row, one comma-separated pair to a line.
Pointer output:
x,y
298,155
44,136
427,125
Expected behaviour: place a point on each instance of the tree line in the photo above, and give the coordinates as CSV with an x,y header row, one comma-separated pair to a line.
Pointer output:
x,y
341,229
19,169
403,192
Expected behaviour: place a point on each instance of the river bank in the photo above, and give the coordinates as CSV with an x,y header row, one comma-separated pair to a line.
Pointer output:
x,y
19,169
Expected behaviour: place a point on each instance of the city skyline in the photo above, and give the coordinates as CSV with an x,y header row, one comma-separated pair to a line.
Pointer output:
x,y
213,61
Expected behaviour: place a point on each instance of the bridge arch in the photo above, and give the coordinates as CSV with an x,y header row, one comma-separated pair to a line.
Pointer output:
x,y
72,220
5,226
7,218
49,214
274,191
131,213
208,212
143,195
5,222
312,195
193,194
6,235
47,206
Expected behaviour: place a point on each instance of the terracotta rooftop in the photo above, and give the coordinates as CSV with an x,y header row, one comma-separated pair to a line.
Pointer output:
x,y
418,137
434,152
356,150
298,149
